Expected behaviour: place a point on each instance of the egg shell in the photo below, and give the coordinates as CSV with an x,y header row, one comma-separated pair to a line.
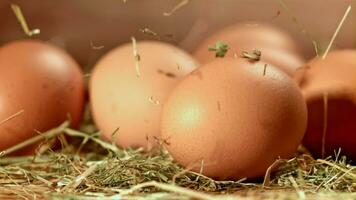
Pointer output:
x,y
234,117
329,87
122,99
276,46
41,83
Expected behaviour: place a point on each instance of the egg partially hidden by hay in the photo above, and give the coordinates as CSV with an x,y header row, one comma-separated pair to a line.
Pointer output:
x,y
41,86
277,47
233,118
127,93
329,87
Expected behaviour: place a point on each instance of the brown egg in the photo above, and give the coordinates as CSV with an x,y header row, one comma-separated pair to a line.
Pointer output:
x,y
329,87
122,99
236,116
276,46
40,86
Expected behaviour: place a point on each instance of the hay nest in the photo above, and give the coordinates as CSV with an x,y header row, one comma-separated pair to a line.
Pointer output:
x,y
89,168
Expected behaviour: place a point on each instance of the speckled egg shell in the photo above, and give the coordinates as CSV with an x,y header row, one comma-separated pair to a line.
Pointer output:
x,y
42,86
236,116
120,99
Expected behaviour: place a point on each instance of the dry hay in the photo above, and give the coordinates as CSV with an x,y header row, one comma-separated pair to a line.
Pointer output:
x,y
89,168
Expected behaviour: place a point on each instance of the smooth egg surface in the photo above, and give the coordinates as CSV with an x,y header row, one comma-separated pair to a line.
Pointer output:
x,y
128,98
41,86
233,118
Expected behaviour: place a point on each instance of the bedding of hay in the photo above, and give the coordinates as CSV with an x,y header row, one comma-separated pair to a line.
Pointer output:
x,y
89,168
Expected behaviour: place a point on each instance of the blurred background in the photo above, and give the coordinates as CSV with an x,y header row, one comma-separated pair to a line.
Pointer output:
x,y
89,28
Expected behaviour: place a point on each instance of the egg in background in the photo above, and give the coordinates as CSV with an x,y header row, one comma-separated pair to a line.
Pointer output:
x,y
130,100
329,88
41,86
276,46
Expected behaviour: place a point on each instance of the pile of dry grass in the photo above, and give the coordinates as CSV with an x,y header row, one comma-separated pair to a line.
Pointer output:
x,y
89,168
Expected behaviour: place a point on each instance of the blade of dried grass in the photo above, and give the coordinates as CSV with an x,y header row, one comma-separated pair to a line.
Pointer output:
x,y
49,134
337,31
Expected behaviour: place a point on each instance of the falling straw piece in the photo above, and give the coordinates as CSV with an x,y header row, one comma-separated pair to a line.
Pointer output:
x,y
175,8
93,46
136,57
20,17
11,117
316,48
337,31
301,27
201,170
264,69
155,102
325,124
150,32
114,136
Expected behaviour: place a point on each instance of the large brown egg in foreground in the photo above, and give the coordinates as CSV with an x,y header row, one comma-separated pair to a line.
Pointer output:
x,y
236,116
329,87
130,101
40,87
277,47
